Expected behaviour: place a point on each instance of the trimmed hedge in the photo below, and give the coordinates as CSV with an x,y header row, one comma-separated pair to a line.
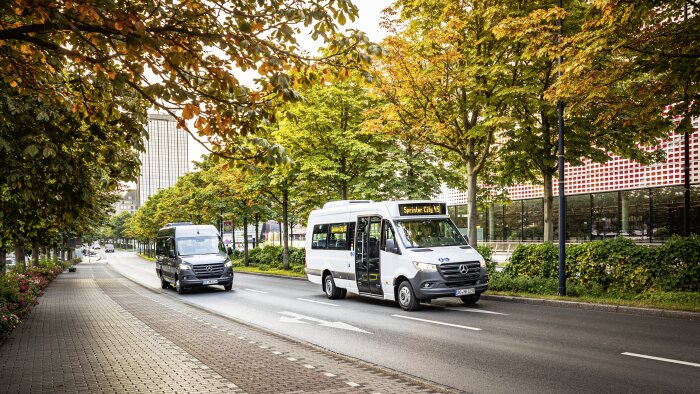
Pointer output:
x,y
615,264
269,257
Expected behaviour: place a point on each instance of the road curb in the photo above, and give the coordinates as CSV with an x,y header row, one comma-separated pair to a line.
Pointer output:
x,y
630,310
437,387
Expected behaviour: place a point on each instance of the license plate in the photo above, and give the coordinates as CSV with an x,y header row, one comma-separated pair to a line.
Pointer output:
x,y
462,292
210,282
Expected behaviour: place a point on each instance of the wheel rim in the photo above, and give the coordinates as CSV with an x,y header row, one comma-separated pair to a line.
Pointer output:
x,y
329,285
404,296
177,285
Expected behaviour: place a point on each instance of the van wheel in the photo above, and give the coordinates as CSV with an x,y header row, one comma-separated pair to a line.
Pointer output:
x,y
332,291
179,287
407,297
164,284
343,293
228,287
470,299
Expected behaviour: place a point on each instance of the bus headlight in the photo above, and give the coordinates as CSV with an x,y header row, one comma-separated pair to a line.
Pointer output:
x,y
424,266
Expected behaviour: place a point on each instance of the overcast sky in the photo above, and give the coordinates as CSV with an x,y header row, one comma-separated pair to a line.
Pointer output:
x,y
368,21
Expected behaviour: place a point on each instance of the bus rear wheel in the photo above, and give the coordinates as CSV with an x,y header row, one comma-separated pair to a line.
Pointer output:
x,y
331,290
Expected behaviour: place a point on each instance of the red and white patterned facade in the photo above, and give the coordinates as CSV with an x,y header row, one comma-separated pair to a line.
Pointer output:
x,y
616,174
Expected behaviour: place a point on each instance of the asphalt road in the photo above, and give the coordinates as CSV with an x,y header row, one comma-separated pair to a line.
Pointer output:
x,y
493,347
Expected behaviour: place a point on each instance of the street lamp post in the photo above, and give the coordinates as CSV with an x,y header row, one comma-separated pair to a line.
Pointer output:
x,y
560,164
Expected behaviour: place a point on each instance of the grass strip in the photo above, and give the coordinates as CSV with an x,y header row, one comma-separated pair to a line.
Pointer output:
x,y
656,304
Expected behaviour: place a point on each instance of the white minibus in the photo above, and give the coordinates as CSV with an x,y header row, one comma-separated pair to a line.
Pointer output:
x,y
405,251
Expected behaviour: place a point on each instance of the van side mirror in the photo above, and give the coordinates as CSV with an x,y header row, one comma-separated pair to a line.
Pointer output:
x,y
391,246
171,254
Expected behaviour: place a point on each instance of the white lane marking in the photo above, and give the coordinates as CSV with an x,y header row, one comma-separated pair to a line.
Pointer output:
x,y
352,384
438,322
476,311
291,359
668,360
309,366
257,291
317,302
330,375
291,317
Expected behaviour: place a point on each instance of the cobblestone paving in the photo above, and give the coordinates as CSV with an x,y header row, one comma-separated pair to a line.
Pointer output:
x,y
95,331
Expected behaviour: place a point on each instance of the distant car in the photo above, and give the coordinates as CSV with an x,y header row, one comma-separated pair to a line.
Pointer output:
x,y
96,246
109,248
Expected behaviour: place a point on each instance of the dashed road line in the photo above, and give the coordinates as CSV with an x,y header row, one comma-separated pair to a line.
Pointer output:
x,y
437,322
476,311
668,360
256,291
317,302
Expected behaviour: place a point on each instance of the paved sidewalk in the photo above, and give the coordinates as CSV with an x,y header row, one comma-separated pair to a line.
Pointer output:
x,y
95,331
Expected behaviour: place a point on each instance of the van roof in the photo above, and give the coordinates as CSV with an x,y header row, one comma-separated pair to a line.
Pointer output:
x,y
395,208
192,230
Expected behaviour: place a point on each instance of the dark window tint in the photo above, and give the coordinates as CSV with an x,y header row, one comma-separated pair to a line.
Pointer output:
x,y
319,239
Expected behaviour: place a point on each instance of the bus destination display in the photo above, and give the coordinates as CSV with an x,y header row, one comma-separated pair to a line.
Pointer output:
x,y
422,209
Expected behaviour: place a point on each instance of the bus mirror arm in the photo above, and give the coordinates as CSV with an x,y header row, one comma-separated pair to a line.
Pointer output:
x,y
171,254
391,246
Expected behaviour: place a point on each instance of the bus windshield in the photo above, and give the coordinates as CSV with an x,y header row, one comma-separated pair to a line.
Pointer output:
x,y
199,245
426,233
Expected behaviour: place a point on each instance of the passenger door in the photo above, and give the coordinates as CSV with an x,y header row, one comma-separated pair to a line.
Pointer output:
x,y
171,263
367,258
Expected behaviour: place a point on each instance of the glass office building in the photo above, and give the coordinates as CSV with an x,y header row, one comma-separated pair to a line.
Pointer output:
x,y
617,198
165,158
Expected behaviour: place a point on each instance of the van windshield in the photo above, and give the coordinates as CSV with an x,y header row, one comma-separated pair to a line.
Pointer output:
x,y
426,233
199,245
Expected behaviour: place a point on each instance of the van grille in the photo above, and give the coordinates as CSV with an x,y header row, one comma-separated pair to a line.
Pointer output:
x,y
451,271
204,271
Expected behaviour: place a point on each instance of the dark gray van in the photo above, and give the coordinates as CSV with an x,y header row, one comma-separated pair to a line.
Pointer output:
x,y
189,255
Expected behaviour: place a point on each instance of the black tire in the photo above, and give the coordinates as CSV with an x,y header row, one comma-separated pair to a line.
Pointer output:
x,y
179,288
329,287
164,284
470,299
228,287
343,293
407,297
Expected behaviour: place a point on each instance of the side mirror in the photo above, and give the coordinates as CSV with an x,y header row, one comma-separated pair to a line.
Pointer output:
x,y
391,246
171,254
229,250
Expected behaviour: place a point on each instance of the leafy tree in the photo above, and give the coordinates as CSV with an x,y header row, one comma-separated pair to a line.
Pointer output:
x,y
632,59
58,51
448,86
326,139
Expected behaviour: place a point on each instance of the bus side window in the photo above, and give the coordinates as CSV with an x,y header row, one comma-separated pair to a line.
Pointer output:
x,y
388,235
320,236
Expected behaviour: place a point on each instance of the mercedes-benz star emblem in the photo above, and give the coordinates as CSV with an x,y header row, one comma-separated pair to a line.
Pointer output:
x,y
463,269
209,268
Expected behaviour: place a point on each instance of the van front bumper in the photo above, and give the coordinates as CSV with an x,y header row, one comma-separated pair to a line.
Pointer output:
x,y
428,285
189,279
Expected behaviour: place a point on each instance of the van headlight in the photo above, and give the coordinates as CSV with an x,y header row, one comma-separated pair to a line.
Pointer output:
x,y
424,266
184,267
482,263
228,264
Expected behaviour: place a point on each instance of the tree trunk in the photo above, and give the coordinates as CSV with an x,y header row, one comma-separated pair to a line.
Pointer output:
x,y
471,203
548,206
36,250
245,240
3,261
20,265
285,235
344,192
257,231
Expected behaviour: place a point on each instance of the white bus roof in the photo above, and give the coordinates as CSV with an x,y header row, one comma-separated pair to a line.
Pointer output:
x,y
395,208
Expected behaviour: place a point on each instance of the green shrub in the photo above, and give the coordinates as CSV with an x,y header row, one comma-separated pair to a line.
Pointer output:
x,y
534,260
678,267
271,256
